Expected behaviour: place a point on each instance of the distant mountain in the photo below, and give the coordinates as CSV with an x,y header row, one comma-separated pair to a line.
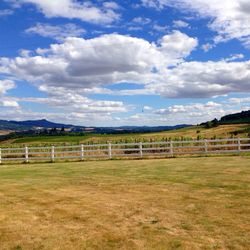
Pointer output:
x,y
20,126
8,125
43,123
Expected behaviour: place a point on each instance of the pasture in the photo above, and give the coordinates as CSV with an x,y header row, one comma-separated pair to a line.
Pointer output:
x,y
193,132
183,203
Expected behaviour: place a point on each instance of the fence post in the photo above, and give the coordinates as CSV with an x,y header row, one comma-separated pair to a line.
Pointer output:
x,y
82,152
26,154
110,150
141,154
205,145
0,156
52,153
239,145
171,149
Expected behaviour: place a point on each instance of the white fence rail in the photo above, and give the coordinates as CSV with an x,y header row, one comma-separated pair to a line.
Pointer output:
x,y
127,150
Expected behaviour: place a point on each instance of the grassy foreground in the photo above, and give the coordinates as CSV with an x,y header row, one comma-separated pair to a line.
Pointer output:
x,y
194,203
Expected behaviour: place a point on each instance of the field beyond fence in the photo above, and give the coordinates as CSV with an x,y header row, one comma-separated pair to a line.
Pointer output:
x,y
125,150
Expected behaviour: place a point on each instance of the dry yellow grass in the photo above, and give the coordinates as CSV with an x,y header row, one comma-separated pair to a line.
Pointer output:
x,y
4,132
195,203
222,131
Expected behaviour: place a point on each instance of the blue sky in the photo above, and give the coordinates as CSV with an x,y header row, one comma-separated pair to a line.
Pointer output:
x,y
112,63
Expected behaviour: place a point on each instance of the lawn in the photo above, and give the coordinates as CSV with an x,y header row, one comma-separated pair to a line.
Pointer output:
x,y
186,203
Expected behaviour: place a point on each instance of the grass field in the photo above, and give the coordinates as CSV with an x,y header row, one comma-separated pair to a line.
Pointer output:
x,y
187,203
4,132
223,131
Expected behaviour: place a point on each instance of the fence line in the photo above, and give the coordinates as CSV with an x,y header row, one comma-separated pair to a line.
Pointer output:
x,y
128,150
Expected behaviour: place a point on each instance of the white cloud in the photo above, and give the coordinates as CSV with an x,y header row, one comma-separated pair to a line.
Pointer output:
x,y
194,113
195,109
234,57
238,100
229,18
111,5
6,12
72,102
160,28
204,79
208,46
71,9
86,63
180,24
84,119
147,108
6,85
141,20
198,80
8,102
58,32
178,45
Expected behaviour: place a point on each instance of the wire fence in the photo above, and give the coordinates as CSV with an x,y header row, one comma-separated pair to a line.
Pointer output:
x,y
125,150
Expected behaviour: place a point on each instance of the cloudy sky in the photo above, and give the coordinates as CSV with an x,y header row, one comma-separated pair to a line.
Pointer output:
x,y
130,62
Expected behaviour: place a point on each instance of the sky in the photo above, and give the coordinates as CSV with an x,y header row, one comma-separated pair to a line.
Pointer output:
x,y
114,63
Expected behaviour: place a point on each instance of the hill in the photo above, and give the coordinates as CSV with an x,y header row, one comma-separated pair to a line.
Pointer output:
x,y
32,124
43,123
237,118
193,132
43,132
36,125
242,117
8,125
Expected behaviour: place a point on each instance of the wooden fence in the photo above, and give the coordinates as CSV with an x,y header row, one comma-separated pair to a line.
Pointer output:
x,y
125,150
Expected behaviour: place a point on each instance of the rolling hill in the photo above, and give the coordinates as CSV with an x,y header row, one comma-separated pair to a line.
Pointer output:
x,y
234,125
19,126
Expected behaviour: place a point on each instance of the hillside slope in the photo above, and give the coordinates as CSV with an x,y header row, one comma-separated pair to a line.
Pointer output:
x,y
194,132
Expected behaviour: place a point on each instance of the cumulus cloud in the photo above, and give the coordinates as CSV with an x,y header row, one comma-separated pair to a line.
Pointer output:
x,y
73,102
86,63
65,106
207,46
160,28
5,101
229,18
177,45
192,113
198,80
57,32
234,57
8,102
204,79
196,109
71,9
111,5
196,112
141,20
91,64
6,85
180,24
